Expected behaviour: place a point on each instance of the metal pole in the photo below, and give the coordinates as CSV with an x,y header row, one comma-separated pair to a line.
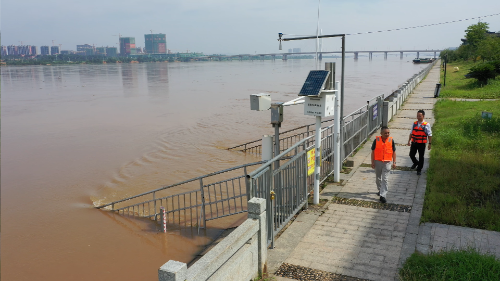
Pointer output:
x,y
445,65
342,101
336,137
276,144
317,154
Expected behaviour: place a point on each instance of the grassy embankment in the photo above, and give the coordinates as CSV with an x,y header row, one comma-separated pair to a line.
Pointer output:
x,y
454,265
457,86
463,184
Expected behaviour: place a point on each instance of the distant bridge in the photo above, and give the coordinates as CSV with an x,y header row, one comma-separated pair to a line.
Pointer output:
x,y
284,56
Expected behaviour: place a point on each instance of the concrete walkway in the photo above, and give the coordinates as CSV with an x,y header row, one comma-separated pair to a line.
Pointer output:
x,y
343,241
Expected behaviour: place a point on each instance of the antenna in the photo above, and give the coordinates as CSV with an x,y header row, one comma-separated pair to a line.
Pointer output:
x,y
317,38
151,31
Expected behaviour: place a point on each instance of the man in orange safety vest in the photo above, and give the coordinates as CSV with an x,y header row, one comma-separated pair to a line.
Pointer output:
x,y
383,153
420,133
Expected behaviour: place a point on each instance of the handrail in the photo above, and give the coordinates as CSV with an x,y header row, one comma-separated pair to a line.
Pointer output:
x,y
179,183
291,130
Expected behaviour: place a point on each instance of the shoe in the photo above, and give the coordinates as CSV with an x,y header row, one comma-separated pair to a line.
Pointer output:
x,y
413,166
419,173
383,200
378,193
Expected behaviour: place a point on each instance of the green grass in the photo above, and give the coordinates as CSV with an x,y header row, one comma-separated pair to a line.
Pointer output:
x,y
454,265
457,86
463,184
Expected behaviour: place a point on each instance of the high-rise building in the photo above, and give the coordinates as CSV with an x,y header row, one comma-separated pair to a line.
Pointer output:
x,y
33,50
4,51
111,52
54,50
127,46
44,50
24,50
296,50
155,43
83,47
12,50
90,52
100,51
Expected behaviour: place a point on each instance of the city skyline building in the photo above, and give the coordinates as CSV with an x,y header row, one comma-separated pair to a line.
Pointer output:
x,y
127,46
4,51
24,50
33,51
44,50
12,50
82,48
155,43
54,50
111,52
100,51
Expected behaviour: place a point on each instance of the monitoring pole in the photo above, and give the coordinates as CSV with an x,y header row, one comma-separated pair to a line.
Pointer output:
x,y
341,78
317,154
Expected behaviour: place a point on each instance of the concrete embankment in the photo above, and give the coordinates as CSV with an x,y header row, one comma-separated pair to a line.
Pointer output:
x,y
353,236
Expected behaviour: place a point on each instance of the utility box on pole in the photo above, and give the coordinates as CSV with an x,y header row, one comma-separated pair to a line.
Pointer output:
x,y
260,102
322,105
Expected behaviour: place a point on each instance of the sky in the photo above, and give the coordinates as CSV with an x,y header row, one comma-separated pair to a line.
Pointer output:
x,y
242,27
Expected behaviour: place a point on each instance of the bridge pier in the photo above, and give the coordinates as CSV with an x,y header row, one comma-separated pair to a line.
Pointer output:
x,y
385,55
274,57
370,55
356,55
320,56
418,55
261,57
284,57
400,55
434,54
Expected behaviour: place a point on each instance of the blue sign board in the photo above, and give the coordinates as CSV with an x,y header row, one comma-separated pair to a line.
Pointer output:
x,y
375,111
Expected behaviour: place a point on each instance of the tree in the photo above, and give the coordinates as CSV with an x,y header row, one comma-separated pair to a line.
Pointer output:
x,y
483,72
489,48
475,34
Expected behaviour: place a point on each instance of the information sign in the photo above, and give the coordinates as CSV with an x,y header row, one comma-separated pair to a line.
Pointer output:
x,y
311,158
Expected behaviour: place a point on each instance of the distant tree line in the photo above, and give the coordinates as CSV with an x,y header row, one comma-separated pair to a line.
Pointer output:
x,y
479,45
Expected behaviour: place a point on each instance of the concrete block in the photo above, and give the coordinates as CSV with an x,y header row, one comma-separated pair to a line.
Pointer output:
x,y
173,271
349,162
256,206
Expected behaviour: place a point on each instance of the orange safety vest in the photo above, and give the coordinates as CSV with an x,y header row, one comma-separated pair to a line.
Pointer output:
x,y
383,150
418,134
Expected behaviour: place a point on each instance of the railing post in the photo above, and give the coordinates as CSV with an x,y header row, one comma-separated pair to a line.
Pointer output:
x,y
247,183
203,204
257,210
368,119
154,205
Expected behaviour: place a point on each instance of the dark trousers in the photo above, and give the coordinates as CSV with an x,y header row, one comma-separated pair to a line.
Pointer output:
x,y
420,147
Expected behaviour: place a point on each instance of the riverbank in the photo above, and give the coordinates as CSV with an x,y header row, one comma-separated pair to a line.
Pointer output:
x,y
352,237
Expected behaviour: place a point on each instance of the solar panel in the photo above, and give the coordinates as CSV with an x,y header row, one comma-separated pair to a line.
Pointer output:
x,y
314,83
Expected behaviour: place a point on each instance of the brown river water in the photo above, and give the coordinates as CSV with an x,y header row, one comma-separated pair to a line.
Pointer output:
x,y
76,136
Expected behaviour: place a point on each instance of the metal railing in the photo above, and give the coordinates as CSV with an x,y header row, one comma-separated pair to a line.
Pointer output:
x,y
285,140
212,196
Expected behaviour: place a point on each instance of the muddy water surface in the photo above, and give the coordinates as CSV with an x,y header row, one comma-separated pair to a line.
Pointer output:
x,y
82,135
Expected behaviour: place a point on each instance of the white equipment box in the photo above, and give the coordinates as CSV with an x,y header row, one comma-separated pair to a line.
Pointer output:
x,y
322,105
260,102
